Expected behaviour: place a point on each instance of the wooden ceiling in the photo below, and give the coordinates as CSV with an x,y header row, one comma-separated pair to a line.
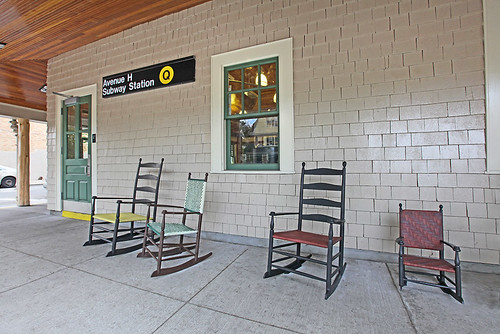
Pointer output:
x,y
35,31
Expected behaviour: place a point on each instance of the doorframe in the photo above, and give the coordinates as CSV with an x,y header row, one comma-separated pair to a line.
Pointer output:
x,y
82,91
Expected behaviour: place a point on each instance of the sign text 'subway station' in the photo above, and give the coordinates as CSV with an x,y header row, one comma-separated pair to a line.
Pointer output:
x,y
169,73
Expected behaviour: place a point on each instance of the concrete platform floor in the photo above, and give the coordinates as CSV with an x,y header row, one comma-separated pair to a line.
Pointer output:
x,y
49,283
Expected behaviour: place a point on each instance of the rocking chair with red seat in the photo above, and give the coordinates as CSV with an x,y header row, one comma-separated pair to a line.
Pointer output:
x,y
421,229
330,210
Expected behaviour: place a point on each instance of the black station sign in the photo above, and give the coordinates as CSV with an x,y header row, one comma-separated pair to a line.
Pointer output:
x,y
169,73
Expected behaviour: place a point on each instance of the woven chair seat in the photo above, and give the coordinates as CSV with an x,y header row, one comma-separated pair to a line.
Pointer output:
x,y
124,217
428,263
171,229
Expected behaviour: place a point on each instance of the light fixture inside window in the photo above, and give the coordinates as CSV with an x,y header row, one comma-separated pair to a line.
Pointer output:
x,y
263,80
2,45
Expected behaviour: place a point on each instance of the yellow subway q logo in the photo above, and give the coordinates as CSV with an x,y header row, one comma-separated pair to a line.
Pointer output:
x,y
166,75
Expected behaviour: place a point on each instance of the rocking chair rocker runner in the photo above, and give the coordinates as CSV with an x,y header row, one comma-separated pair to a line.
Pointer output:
x,y
98,221
335,201
424,230
162,251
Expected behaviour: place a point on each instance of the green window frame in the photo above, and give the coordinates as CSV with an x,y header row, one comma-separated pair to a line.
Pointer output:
x,y
251,115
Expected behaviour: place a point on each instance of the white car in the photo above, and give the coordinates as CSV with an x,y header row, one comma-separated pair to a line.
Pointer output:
x,y
7,177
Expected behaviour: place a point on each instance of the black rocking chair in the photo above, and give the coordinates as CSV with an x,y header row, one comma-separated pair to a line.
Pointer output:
x,y
421,229
105,227
163,251
333,202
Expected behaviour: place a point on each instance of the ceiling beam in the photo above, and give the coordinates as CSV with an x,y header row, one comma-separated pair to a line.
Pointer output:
x,y
13,111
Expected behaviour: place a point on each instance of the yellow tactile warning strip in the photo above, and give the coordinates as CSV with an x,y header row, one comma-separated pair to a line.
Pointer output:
x,y
76,215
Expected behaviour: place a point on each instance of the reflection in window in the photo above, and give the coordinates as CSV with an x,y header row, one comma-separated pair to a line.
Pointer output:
x,y
84,145
71,119
251,77
268,100
235,104
234,80
268,74
84,116
70,146
251,100
254,141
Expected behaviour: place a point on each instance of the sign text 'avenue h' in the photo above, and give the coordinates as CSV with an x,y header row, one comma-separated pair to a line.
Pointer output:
x,y
169,73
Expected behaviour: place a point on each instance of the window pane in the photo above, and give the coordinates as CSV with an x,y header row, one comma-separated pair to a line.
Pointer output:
x,y
84,116
251,77
70,146
268,71
268,99
84,145
251,102
254,141
70,126
234,80
234,104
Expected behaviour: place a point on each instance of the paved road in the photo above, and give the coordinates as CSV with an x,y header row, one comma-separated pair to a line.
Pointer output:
x,y
38,195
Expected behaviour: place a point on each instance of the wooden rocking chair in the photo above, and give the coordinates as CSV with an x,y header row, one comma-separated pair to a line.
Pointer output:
x,y
334,199
162,251
105,227
421,229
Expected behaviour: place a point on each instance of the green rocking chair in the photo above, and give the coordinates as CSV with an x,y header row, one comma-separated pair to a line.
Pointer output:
x,y
166,251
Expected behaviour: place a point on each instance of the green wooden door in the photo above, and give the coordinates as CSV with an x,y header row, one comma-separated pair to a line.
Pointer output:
x,y
76,151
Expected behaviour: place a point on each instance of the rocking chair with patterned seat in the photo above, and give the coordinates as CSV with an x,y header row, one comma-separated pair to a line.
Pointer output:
x,y
330,210
100,230
421,229
163,251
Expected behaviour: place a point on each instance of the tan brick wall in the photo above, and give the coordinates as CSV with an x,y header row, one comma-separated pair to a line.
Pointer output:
x,y
8,139
38,148
38,136
396,88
